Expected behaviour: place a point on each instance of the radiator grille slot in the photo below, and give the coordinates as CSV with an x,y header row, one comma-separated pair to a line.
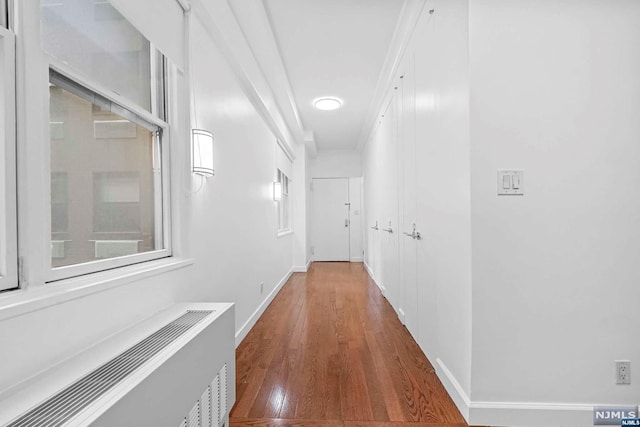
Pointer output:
x,y
215,401
64,405
211,409
205,407
223,391
194,416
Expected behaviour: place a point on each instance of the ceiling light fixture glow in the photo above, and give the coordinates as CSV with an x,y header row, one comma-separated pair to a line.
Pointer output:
x,y
327,103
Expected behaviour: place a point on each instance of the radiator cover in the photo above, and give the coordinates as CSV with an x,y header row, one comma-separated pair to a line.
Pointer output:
x,y
162,389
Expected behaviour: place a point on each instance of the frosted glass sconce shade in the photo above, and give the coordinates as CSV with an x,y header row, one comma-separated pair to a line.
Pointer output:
x,y
277,191
202,152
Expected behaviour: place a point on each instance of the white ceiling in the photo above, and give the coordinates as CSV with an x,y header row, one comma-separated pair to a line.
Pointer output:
x,y
333,48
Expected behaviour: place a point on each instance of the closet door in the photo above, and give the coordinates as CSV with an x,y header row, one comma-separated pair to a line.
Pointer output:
x,y
409,229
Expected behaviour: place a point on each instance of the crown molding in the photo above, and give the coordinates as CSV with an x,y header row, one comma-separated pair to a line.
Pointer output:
x,y
409,16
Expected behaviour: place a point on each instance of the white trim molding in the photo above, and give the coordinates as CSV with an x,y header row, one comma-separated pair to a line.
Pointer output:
x,y
373,277
530,414
23,301
253,319
302,268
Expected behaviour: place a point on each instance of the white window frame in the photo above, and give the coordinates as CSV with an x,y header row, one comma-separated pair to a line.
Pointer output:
x,y
34,169
284,204
8,208
162,178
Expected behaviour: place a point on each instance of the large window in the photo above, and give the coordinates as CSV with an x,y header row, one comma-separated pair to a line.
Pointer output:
x,y
284,221
105,177
84,137
107,129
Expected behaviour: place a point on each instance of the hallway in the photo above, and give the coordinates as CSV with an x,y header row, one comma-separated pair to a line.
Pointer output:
x,y
330,350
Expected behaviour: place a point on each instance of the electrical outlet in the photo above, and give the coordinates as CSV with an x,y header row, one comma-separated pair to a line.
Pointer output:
x,y
261,287
623,372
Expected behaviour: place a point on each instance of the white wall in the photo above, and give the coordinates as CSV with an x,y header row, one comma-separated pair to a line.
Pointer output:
x,y
301,200
355,220
532,293
336,164
234,219
555,92
227,225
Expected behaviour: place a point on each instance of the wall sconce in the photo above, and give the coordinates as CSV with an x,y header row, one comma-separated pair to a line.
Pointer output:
x,y
277,191
202,152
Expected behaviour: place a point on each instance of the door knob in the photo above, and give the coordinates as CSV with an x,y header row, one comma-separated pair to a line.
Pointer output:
x,y
414,234
346,222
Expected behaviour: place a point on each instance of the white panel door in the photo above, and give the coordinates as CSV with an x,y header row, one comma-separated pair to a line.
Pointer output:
x,y
331,219
388,193
432,208
408,226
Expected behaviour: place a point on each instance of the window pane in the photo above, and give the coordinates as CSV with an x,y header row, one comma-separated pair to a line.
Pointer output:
x,y
283,204
103,187
95,39
285,212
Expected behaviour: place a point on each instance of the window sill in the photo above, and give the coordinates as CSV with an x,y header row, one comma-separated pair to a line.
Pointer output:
x,y
284,233
23,301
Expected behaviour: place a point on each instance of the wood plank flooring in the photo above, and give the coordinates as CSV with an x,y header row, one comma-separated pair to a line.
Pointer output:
x,y
330,351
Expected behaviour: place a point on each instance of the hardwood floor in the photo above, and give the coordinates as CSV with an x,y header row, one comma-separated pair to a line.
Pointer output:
x,y
330,351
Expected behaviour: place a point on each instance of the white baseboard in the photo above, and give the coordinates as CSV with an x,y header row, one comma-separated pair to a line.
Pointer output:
x,y
373,277
401,317
250,323
514,414
454,389
523,414
302,268
356,259
383,290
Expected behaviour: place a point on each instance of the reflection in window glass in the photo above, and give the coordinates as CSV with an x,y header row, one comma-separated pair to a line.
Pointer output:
x,y
95,39
59,203
104,192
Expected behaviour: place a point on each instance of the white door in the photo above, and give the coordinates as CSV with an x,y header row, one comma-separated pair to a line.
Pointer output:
x,y
408,225
330,219
388,192
431,208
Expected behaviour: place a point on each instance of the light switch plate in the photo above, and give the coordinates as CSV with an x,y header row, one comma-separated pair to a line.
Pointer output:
x,y
510,182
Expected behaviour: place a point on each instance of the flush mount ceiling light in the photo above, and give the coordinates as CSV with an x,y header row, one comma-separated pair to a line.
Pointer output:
x,y
327,103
